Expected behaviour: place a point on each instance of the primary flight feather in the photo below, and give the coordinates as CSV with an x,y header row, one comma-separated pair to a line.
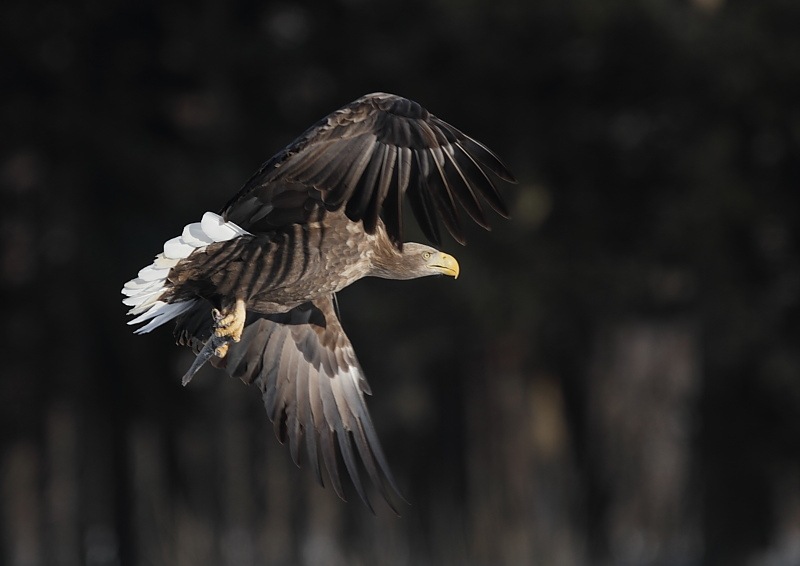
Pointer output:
x,y
251,289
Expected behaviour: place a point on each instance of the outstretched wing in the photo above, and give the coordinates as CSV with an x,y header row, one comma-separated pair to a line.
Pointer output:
x,y
312,385
366,156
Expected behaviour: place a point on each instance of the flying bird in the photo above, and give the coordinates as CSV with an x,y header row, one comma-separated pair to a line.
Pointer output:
x,y
252,288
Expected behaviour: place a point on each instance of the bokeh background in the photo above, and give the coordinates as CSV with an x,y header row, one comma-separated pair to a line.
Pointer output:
x,y
615,378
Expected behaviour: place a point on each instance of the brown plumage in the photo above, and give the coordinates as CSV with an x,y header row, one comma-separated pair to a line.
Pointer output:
x,y
252,290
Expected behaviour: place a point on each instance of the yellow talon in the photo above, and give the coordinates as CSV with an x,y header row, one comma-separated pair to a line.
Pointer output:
x,y
221,351
229,325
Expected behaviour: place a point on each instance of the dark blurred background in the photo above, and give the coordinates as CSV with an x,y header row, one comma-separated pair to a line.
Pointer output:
x,y
615,378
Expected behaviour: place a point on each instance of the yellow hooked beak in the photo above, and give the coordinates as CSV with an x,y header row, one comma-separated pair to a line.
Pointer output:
x,y
445,264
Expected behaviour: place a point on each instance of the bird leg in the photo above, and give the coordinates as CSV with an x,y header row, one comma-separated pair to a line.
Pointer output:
x,y
228,326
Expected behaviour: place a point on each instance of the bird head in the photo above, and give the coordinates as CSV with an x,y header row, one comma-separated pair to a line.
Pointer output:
x,y
419,260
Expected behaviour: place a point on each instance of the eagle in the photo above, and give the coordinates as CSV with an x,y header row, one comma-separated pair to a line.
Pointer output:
x,y
252,288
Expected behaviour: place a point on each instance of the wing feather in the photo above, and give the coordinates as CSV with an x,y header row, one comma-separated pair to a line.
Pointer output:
x,y
477,175
297,376
343,190
460,186
357,205
315,420
366,156
441,196
487,157
312,386
422,205
328,449
382,189
393,211
283,383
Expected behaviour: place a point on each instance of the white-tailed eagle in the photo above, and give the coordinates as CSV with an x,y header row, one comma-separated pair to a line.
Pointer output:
x,y
252,288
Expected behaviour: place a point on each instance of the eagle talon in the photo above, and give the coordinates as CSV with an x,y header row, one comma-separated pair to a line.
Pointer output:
x,y
228,326
222,350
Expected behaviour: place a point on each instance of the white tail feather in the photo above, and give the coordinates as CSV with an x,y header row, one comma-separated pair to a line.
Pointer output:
x,y
162,313
193,234
176,248
216,228
143,292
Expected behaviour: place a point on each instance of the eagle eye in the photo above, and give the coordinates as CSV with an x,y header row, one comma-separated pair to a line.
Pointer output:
x,y
426,255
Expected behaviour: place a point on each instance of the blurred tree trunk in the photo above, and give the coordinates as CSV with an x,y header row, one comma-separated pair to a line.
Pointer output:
x,y
62,487
642,410
522,483
21,496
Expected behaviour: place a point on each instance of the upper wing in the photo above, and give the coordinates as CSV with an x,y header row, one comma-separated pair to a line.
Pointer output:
x,y
313,388
366,156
